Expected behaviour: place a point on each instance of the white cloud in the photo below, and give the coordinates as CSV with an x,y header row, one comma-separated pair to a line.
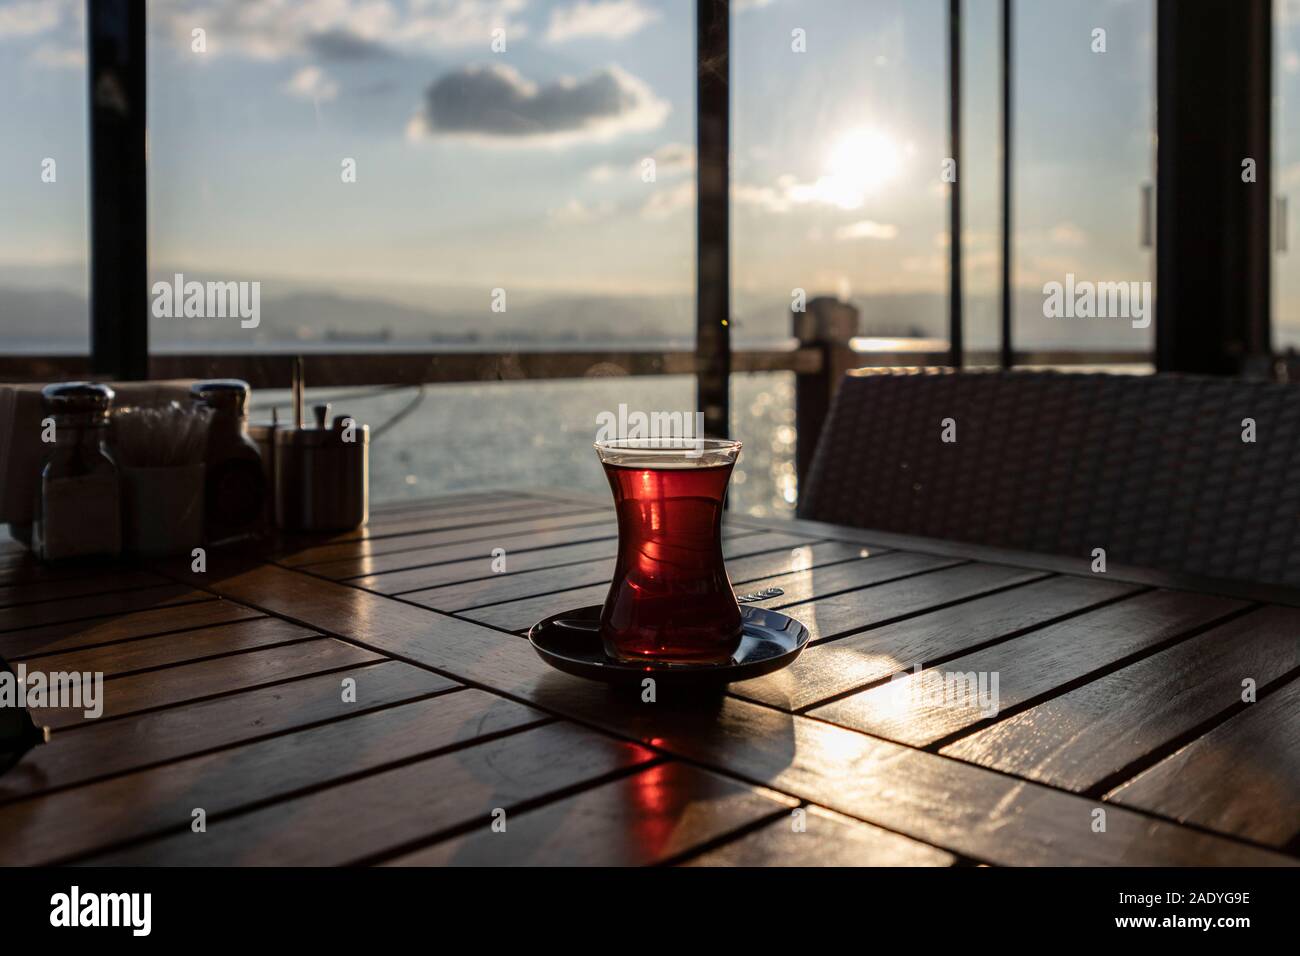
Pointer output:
x,y
311,83
276,29
496,105
56,22
866,229
1068,234
846,190
608,19
576,213
789,192
672,159
449,23
765,197
664,203
28,18
59,57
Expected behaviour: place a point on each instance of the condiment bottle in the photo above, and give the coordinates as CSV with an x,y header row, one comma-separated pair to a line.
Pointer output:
x,y
78,509
234,482
323,475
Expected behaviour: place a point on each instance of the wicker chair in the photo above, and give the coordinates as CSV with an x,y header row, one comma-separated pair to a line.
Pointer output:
x,y
1152,468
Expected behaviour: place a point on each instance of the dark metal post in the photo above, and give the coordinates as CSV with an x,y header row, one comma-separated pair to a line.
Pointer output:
x,y
956,345
1007,353
712,250
1213,120
830,326
119,293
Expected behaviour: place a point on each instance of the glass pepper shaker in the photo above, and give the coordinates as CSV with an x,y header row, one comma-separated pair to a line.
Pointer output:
x,y
234,481
78,510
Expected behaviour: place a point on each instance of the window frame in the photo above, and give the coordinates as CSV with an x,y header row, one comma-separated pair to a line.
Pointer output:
x,y
119,305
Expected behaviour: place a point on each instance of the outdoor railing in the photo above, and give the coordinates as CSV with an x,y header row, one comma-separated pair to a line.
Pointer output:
x,y
817,365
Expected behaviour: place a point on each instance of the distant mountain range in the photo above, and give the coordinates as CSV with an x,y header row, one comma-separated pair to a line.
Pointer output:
x,y
53,318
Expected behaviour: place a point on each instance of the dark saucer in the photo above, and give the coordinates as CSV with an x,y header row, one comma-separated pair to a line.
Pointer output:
x,y
570,641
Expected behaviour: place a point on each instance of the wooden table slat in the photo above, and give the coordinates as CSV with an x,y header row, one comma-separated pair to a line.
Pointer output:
x,y
1084,738
968,810
171,649
478,568
96,605
72,635
222,675
788,557
403,805
449,501
21,569
763,551
478,549
74,822
827,839
494,532
450,498
387,526
861,572
58,589
132,743
652,816
471,562
915,709
1243,777
839,666
830,618
878,567
470,506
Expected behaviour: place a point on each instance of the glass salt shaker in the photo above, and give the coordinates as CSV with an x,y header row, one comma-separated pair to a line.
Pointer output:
x,y
234,483
78,511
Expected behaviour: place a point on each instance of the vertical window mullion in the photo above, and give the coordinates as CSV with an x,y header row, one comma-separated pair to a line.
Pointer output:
x,y
712,248
119,296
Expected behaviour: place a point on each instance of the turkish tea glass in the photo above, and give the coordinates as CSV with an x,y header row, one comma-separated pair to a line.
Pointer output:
x,y
670,599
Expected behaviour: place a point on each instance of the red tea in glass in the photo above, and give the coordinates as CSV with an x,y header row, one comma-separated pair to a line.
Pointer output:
x,y
670,599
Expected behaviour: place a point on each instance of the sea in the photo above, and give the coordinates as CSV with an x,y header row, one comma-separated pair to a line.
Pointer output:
x,y
537,435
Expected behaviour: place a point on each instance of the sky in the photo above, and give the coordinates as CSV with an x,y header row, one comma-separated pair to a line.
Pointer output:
x,y
505,143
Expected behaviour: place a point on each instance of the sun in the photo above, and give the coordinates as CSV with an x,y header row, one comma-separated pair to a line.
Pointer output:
x,y
860,162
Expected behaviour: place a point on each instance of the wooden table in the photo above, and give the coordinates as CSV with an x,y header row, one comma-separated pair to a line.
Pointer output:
x,y
370,699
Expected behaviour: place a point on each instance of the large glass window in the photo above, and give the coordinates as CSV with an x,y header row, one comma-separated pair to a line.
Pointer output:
x,y
1286,154
426,173
839,132
1083,151
43,238
981,175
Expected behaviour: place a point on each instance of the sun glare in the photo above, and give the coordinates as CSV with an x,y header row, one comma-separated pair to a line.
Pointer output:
x,y
859,163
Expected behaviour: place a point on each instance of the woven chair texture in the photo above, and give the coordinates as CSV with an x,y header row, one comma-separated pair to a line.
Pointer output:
x,y
1152,468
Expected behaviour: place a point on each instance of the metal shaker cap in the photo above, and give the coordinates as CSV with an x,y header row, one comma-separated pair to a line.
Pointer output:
x,y
223,394
78,398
